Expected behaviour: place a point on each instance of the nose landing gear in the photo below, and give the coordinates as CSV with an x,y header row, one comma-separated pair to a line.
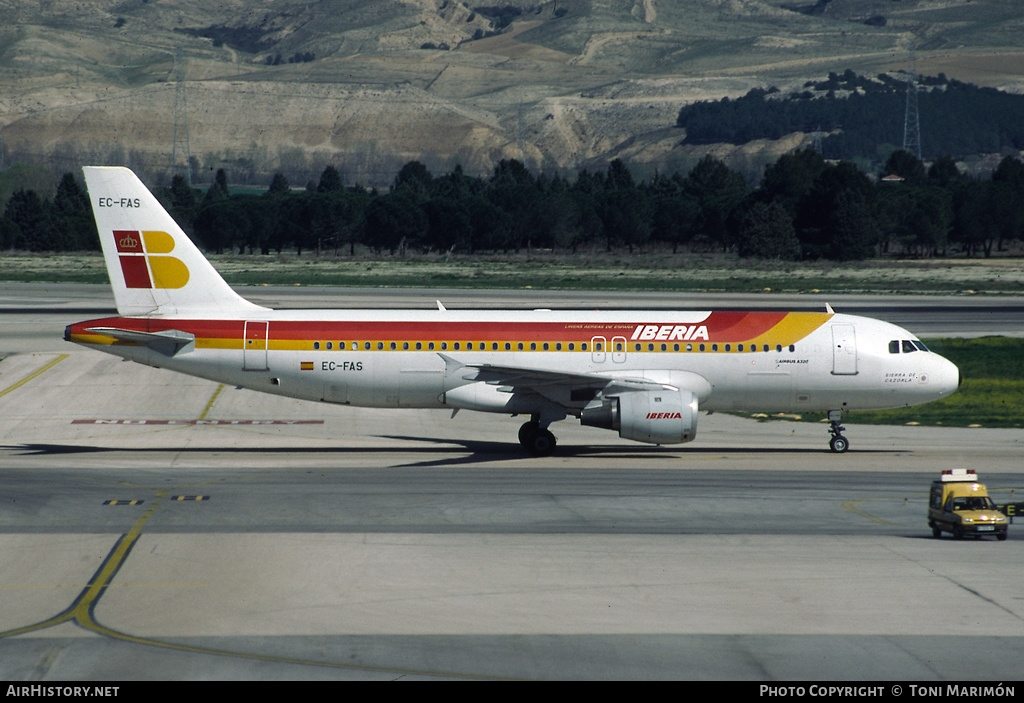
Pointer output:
x,y
838,443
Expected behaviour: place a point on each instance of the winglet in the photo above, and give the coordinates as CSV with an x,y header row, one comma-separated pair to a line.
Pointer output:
x,y
829,310
441,307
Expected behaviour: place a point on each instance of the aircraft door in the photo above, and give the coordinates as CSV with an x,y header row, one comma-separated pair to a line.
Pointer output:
x,y
254,347
844,350
618,349
597,349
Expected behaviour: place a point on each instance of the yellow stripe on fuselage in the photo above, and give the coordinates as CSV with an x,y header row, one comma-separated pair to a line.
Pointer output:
x,y
792,328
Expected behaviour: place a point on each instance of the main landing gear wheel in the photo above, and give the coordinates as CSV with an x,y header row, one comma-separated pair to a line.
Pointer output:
x,y
526,430
536,440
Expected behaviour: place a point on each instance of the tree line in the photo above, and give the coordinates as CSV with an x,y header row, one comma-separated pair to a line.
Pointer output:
x,y
804,207
31,222
857,114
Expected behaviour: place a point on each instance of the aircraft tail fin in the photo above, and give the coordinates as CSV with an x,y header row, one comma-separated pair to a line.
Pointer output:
x,y
154,267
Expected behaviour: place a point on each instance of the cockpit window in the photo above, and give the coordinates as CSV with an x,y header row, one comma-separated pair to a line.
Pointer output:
x,y
907,346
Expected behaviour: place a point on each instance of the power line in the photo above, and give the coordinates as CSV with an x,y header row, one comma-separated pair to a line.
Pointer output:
x,y
180,144
911,122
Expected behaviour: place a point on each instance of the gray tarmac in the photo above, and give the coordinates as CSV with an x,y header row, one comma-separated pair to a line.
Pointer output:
x,y
159,527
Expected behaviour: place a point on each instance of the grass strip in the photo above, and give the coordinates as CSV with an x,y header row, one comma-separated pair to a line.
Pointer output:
x,y
991,394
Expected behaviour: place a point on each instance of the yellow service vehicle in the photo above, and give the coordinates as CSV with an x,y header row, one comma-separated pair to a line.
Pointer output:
x,y
959,504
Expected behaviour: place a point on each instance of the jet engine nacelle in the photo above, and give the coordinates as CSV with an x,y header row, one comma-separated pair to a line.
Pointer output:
x,y
657,417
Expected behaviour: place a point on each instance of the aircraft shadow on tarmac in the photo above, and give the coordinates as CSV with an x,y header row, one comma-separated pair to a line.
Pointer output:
x,y
482,451
477,450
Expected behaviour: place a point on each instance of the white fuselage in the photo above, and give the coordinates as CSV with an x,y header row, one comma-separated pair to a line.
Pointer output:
x,y
750,361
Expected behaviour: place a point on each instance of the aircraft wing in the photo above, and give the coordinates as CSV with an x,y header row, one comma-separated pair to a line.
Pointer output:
x,y
563,387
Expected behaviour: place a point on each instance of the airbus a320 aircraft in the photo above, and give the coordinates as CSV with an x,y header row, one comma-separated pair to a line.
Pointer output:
x,y
642,374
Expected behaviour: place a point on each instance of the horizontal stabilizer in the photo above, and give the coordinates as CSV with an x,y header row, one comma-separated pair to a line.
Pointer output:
x,y
167,342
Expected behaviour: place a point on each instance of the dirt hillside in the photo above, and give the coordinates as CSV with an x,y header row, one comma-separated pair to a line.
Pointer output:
x,y
368,85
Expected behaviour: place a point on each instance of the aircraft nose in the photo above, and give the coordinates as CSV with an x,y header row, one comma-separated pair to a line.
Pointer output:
x,y
951,377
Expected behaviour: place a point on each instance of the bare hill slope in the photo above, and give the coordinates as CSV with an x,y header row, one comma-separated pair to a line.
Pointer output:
x,y
370,84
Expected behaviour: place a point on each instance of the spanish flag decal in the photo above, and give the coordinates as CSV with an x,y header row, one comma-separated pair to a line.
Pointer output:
x,y
306,365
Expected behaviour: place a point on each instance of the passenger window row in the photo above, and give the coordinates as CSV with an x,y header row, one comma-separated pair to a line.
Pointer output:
x,y
445,346
540,346
712,347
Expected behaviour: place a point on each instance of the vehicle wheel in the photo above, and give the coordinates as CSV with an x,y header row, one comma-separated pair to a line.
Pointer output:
x,y
839,444
936,532
958,532
1001,536
541,443
526,431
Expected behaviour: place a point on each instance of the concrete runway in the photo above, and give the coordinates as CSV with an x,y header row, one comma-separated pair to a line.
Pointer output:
x,y
345,543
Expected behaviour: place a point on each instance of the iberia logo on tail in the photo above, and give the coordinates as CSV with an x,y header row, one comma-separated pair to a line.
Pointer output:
x,y
143,260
